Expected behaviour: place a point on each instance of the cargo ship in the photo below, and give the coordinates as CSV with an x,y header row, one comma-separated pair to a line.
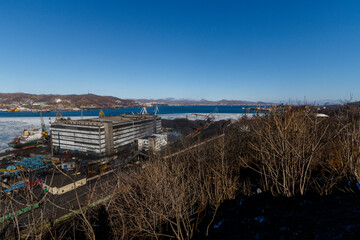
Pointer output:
x,y
29,139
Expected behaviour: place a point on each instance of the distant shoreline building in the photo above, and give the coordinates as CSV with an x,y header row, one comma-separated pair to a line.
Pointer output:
x,y
153,143
102,136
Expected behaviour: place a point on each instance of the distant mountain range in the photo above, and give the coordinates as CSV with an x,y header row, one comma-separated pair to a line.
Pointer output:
x,y
182,101
26,99
323,102
68,100
75,101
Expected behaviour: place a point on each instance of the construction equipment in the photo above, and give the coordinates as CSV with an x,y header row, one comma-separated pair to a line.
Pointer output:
x,y
208,121
43,132
49,160
104,167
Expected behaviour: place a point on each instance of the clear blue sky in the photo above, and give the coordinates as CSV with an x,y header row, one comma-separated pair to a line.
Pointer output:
x,y
248,50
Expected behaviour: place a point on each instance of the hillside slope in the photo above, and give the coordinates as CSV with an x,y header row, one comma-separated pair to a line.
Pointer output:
x,y
50,99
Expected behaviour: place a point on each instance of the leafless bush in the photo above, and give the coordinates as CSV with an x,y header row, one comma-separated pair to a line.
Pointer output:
x,y
349,140
167,198
284,148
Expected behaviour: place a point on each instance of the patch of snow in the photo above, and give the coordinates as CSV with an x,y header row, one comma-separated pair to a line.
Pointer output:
x,y
58,100
218,224
260,219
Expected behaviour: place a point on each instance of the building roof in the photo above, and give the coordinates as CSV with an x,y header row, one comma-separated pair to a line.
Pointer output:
x,y
119,119
59,180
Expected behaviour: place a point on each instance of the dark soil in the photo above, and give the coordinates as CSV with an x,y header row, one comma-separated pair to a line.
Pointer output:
x,y
262,216
266,217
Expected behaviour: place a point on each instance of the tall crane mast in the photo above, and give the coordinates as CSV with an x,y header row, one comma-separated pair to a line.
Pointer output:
x,y
156,110
42,121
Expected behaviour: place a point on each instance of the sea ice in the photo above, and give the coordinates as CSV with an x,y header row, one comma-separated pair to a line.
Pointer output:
x,y
14,126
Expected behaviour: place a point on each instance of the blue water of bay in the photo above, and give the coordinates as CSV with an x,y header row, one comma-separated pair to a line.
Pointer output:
x,y
162,110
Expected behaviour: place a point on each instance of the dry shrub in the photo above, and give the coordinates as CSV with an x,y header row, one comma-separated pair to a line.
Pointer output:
x,y
167,198
349,141
330,170
284,148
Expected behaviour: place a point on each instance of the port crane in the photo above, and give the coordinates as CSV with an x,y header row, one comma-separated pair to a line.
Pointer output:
x,y
43,130
101,114
143,111
156,110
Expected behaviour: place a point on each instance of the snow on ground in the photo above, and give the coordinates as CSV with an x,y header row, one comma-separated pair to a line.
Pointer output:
x,y
14,126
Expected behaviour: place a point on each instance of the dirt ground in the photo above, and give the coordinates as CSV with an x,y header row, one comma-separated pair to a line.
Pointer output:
x,y
312,217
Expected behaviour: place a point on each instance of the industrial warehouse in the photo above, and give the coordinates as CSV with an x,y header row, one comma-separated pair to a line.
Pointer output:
x,y
104,135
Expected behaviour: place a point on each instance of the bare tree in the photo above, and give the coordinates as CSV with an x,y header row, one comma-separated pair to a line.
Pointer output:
x,y
166,198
